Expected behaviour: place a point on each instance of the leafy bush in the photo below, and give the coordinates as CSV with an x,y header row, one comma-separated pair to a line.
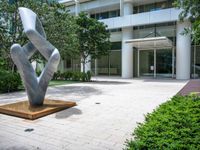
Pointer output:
x,y
38,73
9,81
83,76
57,75
73,76
76,76
67,75
88,76
174,125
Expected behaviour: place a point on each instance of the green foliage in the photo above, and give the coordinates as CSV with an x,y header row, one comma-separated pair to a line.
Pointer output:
x,y
57,75
67,75
9,81
190,10
93,38
76,76
88,76
38,72
73,76
172,126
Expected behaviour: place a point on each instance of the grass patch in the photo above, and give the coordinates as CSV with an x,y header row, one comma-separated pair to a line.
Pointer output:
x,y
175,125
61,82
52,83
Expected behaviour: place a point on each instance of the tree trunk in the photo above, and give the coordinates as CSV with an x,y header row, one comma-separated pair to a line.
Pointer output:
x,y
84,65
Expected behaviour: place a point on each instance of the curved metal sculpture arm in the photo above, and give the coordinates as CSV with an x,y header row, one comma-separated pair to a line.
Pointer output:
x,y
29,49
42,45
35,86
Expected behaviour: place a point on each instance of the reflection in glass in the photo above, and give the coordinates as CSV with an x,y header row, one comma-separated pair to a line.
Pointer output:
x,y
146,63
195,61
164,63
115,63
109,65
103,66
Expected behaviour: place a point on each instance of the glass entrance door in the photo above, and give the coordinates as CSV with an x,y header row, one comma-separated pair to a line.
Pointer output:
x,y
164,63
146,63
155,63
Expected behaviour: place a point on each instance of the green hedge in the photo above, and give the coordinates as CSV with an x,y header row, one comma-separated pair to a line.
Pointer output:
x,y
72,76
175,125
9,81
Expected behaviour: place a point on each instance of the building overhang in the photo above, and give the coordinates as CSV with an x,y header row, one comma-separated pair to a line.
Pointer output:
x,y
151,43
72,2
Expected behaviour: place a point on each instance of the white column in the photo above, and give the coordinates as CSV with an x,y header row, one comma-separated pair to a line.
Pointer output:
x,y
34,64
128,8
96,67
127,53
77,7
61,66
183,51
87,65
127,49
121,7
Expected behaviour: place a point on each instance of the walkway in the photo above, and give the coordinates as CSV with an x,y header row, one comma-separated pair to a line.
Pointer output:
x,y
193,86
108,110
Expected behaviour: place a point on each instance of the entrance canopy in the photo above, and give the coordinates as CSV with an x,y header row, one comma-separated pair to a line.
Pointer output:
x,y
151,43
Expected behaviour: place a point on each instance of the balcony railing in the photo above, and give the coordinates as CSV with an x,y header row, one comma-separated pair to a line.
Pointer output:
x,y
153,17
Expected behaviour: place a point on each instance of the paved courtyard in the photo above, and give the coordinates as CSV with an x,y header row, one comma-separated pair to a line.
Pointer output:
x,y
108,110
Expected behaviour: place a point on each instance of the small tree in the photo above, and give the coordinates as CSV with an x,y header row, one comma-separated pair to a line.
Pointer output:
x,y
93,38
191,10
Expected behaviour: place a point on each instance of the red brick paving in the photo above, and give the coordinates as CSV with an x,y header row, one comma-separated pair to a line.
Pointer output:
x,y
191,86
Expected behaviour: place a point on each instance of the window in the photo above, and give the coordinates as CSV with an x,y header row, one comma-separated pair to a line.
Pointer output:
x,y
68,63
154,30
113,14
105,15
116,45
161,5
115,30
149,7
152,7
93,16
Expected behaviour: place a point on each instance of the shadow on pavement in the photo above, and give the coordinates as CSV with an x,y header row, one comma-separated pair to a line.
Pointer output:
x,y
67,113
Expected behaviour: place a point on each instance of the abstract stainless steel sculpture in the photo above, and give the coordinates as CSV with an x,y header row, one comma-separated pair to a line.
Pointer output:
x,y
35,86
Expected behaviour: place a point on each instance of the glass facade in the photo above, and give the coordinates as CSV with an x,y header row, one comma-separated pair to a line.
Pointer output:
x,y
106,15
154,62
70,65
152,7
146,63
156,30
115,30
195,62
103,65
111,64
164,62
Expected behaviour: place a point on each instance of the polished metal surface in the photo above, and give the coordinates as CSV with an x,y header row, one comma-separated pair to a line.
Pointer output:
x,y
35,86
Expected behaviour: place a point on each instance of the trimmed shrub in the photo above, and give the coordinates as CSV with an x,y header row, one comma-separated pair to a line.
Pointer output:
x,y
73,76
9,81
172,126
